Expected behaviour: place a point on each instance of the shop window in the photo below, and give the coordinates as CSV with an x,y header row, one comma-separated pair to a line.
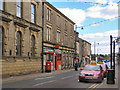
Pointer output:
x,y
18,41
59,57
19,8
47,57
32,45
51,57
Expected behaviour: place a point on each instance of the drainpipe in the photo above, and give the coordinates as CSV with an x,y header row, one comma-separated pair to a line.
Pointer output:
x,y
42,33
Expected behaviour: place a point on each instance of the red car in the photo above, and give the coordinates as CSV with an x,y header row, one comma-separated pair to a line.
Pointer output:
x,y
105,67
91,73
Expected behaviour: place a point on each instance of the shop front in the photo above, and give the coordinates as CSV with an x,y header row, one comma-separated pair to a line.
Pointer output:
x,y
48,57
58,59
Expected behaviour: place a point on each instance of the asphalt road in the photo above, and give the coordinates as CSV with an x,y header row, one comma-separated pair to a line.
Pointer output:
x,y
64,80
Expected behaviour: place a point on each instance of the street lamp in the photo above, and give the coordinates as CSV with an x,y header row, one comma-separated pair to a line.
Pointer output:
x,y
95,50
76,40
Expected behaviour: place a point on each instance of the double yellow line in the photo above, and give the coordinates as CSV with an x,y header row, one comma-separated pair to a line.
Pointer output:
x,y
93,86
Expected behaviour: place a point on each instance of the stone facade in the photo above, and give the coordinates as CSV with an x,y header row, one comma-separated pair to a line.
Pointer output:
x,y
83,50
11,24
86,52
60,31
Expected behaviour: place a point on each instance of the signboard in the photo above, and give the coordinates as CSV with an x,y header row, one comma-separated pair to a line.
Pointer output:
x,y
57,46
58,51
47,50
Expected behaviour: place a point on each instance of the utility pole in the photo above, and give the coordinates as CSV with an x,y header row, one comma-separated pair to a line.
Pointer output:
x,y
111,51
75,43
94,51
114,54
114,57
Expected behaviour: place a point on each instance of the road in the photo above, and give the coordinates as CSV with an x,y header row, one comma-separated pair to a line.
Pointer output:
x,y
63,80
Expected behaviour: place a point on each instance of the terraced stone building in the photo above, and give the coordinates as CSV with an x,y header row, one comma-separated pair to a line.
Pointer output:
x,y
21,37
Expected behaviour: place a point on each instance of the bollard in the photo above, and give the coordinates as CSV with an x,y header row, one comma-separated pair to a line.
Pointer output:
x,y
110,76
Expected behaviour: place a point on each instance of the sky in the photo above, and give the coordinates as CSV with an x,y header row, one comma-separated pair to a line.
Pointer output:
x,y
99,19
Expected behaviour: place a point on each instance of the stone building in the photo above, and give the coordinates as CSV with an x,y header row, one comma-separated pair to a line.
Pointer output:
x,y
21,37
86,49
58,39
83,50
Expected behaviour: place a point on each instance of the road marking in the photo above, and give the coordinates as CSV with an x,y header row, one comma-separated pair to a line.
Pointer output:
x,y
92,86
66,77
43,83
95,86
44,78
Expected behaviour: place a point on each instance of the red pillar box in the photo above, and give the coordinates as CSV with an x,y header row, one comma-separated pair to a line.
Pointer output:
x,y
48,66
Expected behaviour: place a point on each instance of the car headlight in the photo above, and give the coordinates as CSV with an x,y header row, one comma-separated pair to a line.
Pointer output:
x,y
96,75
82,74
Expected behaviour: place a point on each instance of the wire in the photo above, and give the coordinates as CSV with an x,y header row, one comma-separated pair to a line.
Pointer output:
x,y
82,27
100,3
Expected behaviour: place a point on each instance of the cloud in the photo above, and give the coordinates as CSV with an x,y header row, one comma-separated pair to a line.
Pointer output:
x,y
76,15
95,24
100,35
103,39
94,1
107,12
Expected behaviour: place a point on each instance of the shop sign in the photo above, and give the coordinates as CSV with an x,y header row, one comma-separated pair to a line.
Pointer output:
x,y
58,51
56,46
47,50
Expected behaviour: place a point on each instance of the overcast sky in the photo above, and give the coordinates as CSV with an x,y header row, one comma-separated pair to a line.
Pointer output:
x,y
99,19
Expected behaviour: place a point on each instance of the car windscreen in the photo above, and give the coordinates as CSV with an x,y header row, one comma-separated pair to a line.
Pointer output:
x,y
92,68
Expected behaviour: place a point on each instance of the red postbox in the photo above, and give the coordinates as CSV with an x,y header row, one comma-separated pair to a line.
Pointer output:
x,y
48,66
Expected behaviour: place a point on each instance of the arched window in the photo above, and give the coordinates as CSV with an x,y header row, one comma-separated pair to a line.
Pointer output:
x,y
1,40
18,41
32,45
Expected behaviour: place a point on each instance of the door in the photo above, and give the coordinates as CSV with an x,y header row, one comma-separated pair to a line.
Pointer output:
x,y
58,61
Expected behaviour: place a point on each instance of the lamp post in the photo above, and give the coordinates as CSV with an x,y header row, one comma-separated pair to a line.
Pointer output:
x,y
111,72
76,41
97,51
94,52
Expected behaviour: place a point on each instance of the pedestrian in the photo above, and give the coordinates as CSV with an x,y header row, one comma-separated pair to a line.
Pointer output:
x,y
76,66
80,63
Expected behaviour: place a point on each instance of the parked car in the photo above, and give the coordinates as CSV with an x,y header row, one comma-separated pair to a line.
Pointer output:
x,y
91,73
